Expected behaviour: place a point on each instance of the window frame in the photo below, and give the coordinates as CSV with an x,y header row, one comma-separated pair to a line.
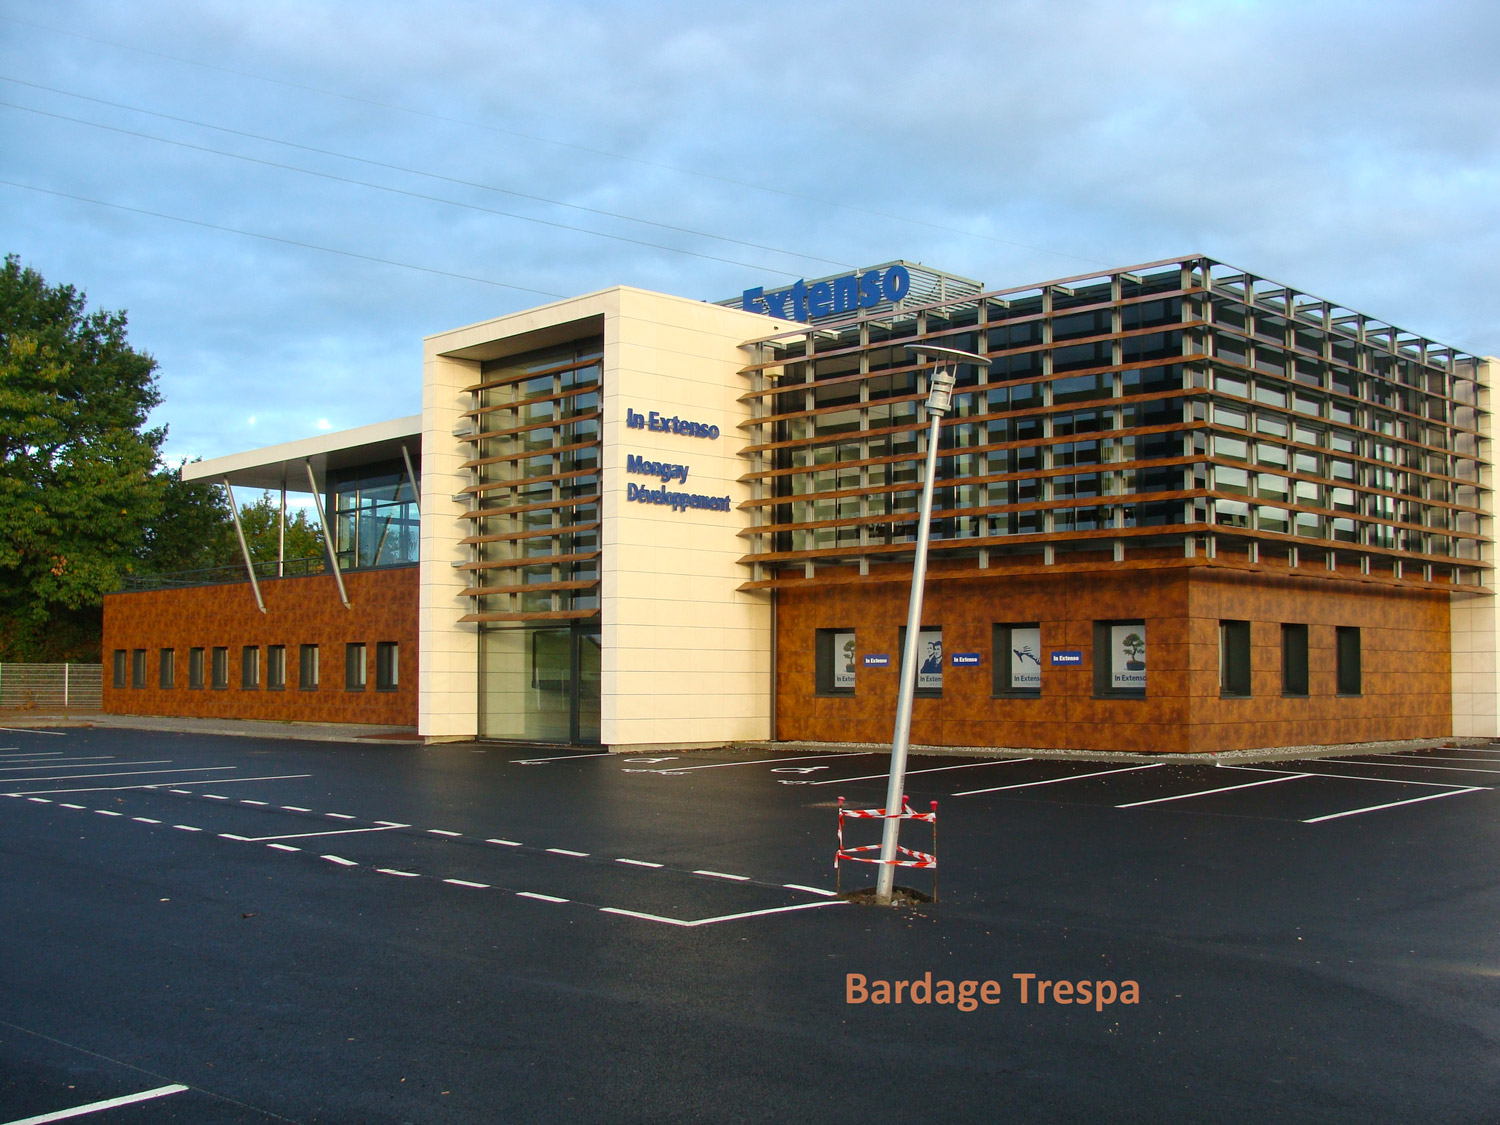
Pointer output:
x,y
387,665
825,661
276,667
249,667
196,664
1294,666
137,669
925,631
121,669
307,669
166,669
1002,647
219,668
1104,670
1348,660
356,666
1235,679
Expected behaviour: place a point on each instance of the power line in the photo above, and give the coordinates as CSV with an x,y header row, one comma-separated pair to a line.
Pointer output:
x,y
561,144
390,190
283,241
420,172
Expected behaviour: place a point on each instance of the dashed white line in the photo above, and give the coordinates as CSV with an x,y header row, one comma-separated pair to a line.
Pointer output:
x,y
341,816
393,824
187,828
466,883
232,836
65,805
215,797
639,914
761,913
810,890
934,769
543,898
565,851
395,871
340,860
182,792
724,875
638,862
108,812
283,847
247,801
443,832
505,843
295,808
40,800
145,820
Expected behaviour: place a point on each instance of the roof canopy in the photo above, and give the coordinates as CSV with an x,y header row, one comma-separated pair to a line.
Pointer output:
x,y
278,466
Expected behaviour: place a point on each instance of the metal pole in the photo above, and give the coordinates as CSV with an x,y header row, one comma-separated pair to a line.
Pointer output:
x,y
939,396
234,510
281,530
885,880
333,559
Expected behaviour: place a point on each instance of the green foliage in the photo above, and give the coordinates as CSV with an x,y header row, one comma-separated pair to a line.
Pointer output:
x,y
79,483
304,538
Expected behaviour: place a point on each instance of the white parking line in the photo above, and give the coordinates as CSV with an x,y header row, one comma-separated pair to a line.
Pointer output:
x,y
1393,804
466,883
145,820
96,1107
505,843
55,764
340,860
23,730
1415,757
284,847
812,890
187,828
330,832
65,805
394,871
723,875
565,851
1404,766
934,769
543,898
561,758
295,808
341,816
442,832
759,762
1353,777
108,812
638,862
1208,792
127,773
1056,780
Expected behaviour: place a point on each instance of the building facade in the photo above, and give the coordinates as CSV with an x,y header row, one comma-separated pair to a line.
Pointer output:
x,y
1180,508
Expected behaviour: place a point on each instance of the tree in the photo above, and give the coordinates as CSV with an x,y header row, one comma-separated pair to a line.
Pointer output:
x,y
79,483
304,538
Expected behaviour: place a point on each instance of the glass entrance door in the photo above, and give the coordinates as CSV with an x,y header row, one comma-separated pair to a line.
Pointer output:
x,y
540,684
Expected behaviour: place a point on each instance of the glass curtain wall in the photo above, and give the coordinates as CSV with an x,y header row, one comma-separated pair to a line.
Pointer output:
x,y
534,567
375,518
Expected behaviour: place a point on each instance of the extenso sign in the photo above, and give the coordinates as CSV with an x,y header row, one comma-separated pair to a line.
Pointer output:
x,y
826,298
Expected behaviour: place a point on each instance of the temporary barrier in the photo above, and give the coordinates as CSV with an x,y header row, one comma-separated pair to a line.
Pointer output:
x,y
906,857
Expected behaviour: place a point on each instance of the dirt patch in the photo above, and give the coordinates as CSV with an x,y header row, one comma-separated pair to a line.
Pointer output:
x,y
900,896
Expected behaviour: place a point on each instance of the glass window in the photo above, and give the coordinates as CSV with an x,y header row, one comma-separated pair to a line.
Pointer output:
x,y
195,668
375,519
1120,658
167,670
307,667
1017,659
834,657
121,658
1234,658
250,667
354,667
276,667
221,666
1349,672
387,666
1293,659
929,659
138,668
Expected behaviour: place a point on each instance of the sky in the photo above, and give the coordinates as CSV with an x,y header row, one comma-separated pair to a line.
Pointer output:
x,y
286,197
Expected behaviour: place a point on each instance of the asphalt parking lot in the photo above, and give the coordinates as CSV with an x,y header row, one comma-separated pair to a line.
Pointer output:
x,y
246,930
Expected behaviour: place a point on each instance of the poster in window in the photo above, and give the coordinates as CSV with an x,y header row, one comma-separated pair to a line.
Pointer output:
x,y
1026,659
930,660
1127,663
843,662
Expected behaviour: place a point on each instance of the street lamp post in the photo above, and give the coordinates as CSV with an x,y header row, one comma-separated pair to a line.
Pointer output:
x,y
945,363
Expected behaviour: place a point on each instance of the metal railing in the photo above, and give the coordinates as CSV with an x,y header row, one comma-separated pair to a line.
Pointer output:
x,y
74,687
227,575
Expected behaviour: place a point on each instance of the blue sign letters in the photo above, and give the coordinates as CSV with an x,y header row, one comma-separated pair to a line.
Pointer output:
x,y
843,294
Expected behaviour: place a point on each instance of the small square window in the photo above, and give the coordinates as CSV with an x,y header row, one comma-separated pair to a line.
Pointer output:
x,y
122,665
1234,658
354,667
1293,659
250,667
307,667
220,667
387,666
195,668
1017,659
834,657
1120,658
276,667
929,659
168,669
